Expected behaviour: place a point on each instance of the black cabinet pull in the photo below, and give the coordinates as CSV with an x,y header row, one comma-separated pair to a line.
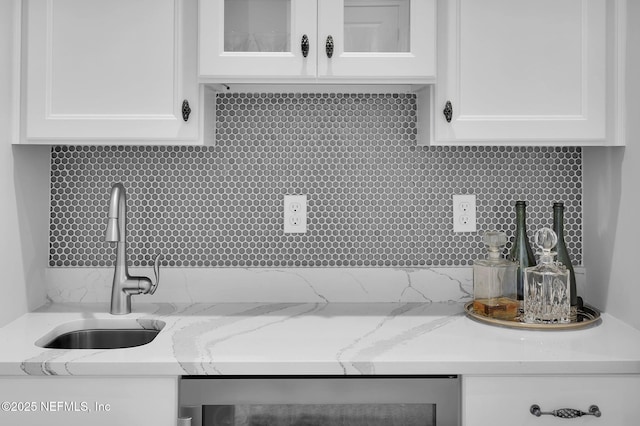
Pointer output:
x,y
565,413
186,110
448,111
304,46
329,47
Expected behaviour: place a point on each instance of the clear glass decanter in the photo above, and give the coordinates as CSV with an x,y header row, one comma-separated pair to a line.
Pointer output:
x,y
494,281
547,298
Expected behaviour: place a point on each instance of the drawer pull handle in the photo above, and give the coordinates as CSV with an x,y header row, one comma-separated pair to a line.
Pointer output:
x,y
304,45
448,111
565,413
186,110
329,47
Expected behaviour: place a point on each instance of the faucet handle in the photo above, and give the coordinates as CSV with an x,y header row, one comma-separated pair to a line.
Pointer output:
x,y
156,271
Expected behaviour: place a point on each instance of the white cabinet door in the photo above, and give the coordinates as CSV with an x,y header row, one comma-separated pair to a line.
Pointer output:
x,y
374,39
520,71
95,401
507,400
257,39
110,70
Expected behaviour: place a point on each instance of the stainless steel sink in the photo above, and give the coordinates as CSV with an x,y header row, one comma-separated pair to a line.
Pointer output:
x,y
102,334
102,339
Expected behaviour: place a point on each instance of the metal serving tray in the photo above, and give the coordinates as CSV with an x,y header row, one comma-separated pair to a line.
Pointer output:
x,y
587,316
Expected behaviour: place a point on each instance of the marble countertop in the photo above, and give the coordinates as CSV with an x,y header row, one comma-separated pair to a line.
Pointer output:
x,y
319,339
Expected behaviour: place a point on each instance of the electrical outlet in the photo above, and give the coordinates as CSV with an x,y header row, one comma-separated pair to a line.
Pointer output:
x,y
295,214
464,213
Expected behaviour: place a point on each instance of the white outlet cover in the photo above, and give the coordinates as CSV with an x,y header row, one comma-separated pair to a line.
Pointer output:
x,y
464,213
295,214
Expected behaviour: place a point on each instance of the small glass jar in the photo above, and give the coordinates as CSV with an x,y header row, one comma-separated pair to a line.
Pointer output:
x,y
547,295
494,281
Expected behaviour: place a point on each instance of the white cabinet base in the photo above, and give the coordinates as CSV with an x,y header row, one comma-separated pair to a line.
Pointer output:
x,y
95,401
507,400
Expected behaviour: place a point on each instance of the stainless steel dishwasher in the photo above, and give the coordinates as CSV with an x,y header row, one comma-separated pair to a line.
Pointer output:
x,y
321,400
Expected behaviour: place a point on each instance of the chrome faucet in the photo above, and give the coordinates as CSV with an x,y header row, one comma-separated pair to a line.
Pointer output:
x,y
125,285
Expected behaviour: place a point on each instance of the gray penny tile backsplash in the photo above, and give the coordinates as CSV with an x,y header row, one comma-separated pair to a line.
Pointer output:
x,y
375,198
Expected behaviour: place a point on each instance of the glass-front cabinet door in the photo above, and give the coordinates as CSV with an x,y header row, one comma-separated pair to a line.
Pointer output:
x,y
257,38
377,38
317,40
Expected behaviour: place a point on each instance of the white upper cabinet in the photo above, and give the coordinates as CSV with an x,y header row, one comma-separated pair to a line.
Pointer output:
x,y
257,39
521,72
388,41
116,70
377,39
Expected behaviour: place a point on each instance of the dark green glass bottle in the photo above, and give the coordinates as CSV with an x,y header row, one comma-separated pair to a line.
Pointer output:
x,y
563,256
521,250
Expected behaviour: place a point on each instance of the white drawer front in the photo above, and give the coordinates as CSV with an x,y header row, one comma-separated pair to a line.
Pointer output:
x,y
506,400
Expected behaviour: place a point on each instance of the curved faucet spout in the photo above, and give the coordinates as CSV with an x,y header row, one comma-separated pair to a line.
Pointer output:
x,y
117,219
124,285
